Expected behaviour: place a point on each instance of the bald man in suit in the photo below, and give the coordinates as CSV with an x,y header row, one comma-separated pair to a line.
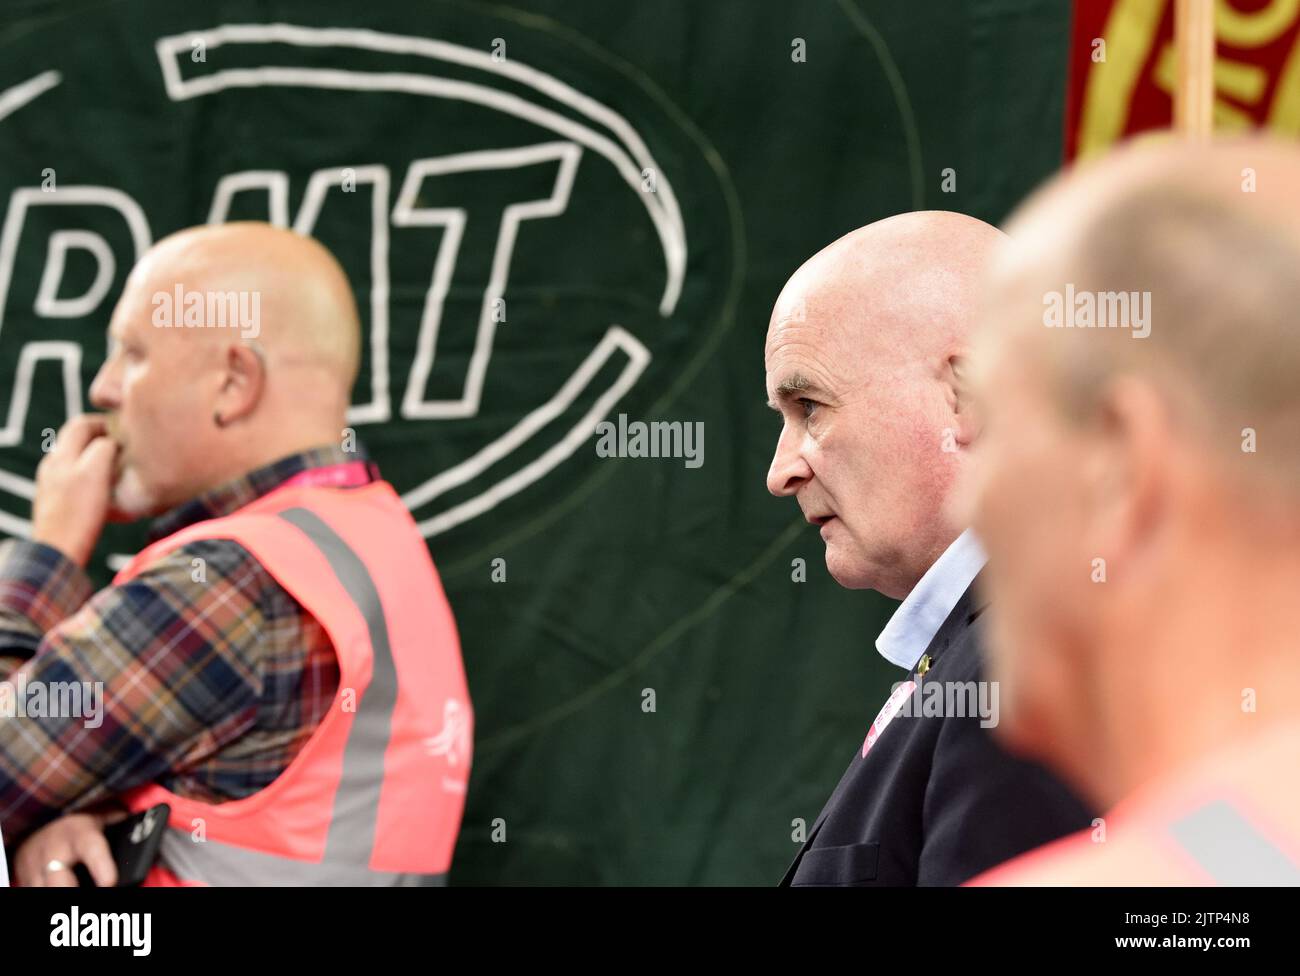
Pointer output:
x,y
865,357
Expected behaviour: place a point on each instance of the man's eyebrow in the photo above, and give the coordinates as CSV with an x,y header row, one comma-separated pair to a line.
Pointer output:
x,y
791,387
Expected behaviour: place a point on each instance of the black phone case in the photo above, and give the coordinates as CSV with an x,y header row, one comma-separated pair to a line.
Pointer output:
x,y
134,843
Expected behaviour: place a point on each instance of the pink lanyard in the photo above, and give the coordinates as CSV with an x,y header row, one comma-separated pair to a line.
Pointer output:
x,y
348,474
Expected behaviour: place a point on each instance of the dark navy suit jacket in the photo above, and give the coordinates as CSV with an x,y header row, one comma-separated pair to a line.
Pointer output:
x,y
936,800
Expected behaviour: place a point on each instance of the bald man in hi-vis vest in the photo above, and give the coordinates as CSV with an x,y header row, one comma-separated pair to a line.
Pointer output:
x,y
280,665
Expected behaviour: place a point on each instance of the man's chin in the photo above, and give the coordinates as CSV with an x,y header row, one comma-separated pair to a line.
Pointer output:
x,y
853,571
130,502
847,572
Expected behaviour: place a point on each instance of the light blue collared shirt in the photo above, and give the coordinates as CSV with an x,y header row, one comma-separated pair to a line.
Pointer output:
x,y
919,617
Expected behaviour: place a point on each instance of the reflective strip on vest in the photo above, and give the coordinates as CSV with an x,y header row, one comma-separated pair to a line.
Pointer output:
x,y
351,834
1230,850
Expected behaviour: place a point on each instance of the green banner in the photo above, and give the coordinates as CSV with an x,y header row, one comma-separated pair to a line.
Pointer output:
x,y
553,217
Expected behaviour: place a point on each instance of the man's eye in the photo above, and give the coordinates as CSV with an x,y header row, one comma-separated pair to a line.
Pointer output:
x,y
808,405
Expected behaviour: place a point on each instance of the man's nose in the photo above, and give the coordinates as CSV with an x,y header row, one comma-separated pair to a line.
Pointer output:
x,y
789,471
104,391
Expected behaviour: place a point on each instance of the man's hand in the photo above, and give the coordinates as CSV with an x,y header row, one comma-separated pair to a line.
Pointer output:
x,y
47,857
74,483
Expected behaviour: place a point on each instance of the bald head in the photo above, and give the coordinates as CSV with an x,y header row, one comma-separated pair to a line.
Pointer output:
x,y
231,347
865,349
1208,239
899,288
307,311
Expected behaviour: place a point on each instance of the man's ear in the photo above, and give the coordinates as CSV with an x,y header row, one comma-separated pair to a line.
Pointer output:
x,y
242,383
1129,472
957,379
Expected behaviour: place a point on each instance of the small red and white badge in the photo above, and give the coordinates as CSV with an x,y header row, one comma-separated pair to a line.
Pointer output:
x,y
887,713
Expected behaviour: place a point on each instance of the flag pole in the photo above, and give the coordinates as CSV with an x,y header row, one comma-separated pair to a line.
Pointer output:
x,y
1194,94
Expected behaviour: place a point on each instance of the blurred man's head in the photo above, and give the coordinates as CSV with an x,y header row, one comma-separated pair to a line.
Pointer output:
x,y
198,391
864,355
1137,481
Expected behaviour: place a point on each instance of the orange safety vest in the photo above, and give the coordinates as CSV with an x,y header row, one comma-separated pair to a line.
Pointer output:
x,y
375,795
1232,818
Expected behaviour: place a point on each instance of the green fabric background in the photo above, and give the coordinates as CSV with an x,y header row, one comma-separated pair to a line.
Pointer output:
x,y
625,574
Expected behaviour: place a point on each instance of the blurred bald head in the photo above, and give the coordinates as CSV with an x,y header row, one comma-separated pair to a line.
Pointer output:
x,y
864,354
1138,482
1212,235
200,394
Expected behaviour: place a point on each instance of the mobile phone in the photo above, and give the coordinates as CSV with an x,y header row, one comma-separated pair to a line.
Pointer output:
x,y
134,843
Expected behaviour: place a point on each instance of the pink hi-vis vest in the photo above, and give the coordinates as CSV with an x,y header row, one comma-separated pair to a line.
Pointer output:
x,y
1231,818
375,795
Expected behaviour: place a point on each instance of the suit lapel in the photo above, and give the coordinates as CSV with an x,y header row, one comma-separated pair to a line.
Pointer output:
x,y
969,607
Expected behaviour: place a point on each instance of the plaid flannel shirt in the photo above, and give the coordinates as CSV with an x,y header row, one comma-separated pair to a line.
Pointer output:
x,y
212,681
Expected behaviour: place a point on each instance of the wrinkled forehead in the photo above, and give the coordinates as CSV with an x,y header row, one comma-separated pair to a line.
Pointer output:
x,y
822,312
807,351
